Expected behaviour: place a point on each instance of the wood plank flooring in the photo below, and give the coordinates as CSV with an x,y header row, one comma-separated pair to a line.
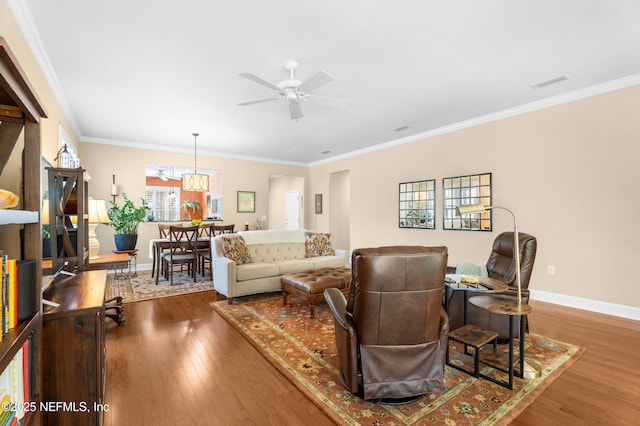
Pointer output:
x,y
177,362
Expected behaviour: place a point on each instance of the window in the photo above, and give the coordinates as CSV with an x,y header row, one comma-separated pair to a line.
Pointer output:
x,y
164,203
463,190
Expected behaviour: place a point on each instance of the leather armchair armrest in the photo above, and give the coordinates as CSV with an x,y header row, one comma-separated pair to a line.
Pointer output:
x,y
444,333
346,339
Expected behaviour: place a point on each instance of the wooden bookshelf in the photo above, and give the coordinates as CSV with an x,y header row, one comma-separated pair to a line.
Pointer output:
x,y
20,115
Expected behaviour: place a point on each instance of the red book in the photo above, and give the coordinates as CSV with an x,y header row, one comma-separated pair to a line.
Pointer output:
x,y
25,370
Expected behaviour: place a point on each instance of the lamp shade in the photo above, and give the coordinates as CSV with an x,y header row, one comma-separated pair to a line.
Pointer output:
x,y
195,182
471,208
45,211
98,211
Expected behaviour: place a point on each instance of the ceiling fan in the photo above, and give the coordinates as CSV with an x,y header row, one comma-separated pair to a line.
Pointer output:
x,y
291,90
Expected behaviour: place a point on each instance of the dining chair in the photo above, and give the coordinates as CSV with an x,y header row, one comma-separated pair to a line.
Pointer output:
x,y
205,255
222,229
183,245
163,230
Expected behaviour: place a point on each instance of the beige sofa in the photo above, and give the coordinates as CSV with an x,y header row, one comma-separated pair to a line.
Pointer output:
x,y
273,253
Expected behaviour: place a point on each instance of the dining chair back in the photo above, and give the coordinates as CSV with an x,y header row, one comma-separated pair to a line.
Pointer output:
x,y
163,230
222,229
183,243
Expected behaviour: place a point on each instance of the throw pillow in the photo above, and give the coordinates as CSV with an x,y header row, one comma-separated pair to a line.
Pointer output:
x,y
465,268
317,244
235,249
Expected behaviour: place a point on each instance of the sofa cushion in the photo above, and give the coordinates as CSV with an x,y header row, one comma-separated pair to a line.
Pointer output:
x,y
235,249
253,271
295,265
318,244
327,262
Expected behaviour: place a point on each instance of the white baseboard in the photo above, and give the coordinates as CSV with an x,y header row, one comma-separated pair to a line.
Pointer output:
x,y
587,304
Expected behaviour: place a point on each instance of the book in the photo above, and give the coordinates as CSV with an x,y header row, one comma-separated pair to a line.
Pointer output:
x,y
12,293
26,368
26,295
17,383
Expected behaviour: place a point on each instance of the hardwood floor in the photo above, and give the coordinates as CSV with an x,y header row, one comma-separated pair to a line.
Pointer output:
x,y
177,362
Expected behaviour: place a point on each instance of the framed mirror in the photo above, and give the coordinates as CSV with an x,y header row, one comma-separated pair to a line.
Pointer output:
x,y
417,206
463,190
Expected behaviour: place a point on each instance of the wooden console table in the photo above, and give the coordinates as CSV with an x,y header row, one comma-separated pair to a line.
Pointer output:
x,y
74,359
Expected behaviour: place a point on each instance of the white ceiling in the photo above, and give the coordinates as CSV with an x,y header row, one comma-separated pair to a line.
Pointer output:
x,y
149,73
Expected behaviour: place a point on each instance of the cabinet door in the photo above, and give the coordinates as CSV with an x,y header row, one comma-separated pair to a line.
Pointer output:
x,y
73,368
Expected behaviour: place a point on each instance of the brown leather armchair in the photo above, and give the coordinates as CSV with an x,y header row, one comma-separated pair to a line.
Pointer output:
x,y
502,266
391,329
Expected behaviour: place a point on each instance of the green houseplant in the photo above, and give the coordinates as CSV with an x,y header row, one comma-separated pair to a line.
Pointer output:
x,y
190,207
124,220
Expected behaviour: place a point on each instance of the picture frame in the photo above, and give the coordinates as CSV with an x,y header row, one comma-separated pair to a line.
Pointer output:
x,y
246,202
318,203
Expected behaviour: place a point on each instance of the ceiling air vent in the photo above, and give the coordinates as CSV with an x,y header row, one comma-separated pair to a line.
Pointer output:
x,y
550,81
401,128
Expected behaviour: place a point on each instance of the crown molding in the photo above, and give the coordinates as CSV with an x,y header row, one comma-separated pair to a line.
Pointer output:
x,y
23,16
587,92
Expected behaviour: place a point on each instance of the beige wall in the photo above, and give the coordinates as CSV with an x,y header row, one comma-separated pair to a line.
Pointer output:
x,y
11,32
128,164
569,172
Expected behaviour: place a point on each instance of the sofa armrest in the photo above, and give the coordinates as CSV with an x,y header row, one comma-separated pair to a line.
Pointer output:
x,y
224,270
343,254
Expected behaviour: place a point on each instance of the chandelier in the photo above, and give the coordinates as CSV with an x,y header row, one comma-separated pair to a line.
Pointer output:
x,y
195,181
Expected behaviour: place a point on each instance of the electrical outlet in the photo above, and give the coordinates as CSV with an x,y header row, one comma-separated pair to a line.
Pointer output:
x,y
551,270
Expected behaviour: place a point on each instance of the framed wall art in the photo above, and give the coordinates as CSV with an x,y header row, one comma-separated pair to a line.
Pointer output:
x,y
246,202
463,190
417,204
318,203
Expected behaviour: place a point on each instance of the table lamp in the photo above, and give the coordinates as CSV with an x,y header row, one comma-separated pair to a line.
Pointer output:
x,y
531,369
97,214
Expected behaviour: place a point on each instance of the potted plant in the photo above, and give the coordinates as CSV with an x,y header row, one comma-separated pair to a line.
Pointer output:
x,y
190,207
125,220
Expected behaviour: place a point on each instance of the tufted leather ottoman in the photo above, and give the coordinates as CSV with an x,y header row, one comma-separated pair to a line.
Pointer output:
x,y
310,285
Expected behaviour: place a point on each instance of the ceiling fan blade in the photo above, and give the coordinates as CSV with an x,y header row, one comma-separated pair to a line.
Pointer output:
x,y
260,81
259,101
319,79
295,110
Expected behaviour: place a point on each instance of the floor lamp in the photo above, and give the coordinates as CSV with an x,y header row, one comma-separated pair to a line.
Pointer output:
x,y
97,214
531,369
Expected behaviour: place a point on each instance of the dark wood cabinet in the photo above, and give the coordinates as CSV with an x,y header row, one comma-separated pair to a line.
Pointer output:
x,y
74,362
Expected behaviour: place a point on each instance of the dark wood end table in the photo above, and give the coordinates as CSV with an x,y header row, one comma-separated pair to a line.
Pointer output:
x,y
505,305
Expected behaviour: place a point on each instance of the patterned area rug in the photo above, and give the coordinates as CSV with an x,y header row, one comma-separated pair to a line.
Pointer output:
x,y
304,350
143,287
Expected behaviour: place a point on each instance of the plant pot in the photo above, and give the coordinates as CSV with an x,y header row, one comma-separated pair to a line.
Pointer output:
x,y
125,242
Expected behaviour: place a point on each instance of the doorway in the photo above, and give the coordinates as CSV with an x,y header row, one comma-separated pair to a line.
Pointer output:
x,y
292,210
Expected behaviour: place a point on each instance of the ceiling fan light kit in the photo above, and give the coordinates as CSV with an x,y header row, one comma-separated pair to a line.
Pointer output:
x,y
291,90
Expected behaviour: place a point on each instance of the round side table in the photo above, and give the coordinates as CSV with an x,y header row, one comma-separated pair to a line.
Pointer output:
x,y
506,305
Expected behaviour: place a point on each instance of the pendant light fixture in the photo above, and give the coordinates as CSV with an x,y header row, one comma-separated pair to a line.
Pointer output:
x,y
172,193
195,181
